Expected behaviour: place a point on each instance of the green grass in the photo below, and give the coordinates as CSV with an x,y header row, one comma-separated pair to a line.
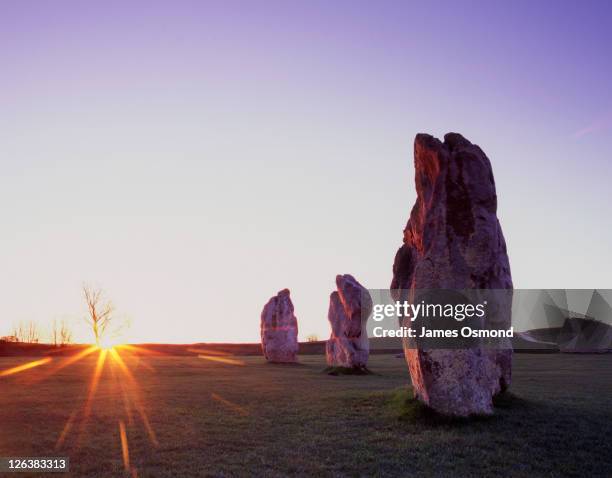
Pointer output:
x,y
258,419
335,371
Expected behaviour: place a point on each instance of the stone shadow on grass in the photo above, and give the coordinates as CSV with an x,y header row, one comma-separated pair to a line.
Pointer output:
x,y
336,371
286,364
409,409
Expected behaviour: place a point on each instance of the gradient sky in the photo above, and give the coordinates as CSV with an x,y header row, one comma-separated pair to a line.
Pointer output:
x,y
193,158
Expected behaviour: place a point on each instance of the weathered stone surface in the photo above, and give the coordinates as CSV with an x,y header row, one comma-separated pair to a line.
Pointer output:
x,y
349,308
279,329
453,240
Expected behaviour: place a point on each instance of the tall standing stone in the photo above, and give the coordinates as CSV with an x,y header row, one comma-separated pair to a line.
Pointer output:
x,y
349,308
453,240
279,329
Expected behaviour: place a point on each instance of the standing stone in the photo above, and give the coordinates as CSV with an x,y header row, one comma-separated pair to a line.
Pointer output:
x,y
279,329
349,308
453,240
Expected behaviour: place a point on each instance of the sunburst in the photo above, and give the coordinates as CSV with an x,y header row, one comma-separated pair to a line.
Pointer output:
x,y
108,355
120,360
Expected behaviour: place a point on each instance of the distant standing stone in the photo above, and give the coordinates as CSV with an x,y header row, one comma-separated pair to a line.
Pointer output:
x,y
279,329
453,240
349,308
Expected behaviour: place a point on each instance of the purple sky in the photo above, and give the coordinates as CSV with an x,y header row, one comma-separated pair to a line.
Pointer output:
x,y
193,158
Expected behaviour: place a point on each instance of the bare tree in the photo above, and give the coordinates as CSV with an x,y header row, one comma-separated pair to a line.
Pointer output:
x,y
18,332
100,311
33,334
65,334
54,333
27,332
60,333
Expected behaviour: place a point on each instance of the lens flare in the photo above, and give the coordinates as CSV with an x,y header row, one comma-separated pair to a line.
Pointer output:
x,y
95,379
24,367
122,380
225,360
136,396
67,427
125,450
233,406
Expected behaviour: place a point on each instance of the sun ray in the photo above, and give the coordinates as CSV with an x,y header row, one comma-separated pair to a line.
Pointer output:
x,y
138,353
65,363
87,406
237,408
136,399
125,450
95,379
124,368
208,352
24,367
226,360
127,407
147,424
75,358
66,430
130,394
125,399
137,356
139,350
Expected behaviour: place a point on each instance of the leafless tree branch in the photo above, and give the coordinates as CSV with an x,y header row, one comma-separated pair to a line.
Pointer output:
x,y
100,312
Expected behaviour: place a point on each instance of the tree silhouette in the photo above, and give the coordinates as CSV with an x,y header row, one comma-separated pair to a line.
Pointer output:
x,y
100,311
65,334
60,333
27,332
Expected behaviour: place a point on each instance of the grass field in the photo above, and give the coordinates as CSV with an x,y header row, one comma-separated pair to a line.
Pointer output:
x,y
188,416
